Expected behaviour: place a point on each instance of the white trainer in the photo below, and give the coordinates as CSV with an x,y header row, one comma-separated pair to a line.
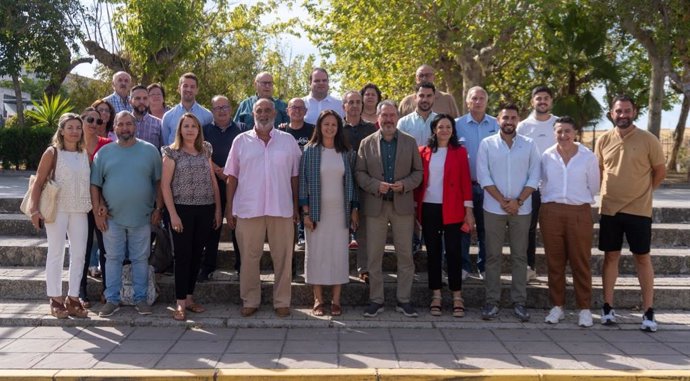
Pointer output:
x,y
555,315
608,318
585,319
648,325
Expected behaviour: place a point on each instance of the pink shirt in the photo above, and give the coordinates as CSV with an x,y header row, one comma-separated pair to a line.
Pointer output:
x,y
263,173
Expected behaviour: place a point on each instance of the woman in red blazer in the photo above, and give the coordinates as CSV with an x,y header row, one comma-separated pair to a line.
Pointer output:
x,y
444,208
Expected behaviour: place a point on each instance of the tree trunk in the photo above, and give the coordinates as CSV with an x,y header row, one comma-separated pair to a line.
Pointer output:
x,y
656,94
472,75
679,133
18,97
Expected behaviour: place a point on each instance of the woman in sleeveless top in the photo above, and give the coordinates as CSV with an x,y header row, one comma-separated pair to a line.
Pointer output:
x,y
192,198
72,174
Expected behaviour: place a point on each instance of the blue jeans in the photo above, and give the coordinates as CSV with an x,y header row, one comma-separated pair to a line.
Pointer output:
x,y
478,209
137,241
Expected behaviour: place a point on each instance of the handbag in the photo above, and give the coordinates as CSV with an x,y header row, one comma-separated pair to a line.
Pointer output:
x,y
48,202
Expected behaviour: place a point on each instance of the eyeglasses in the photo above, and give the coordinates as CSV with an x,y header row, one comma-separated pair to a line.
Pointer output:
x,y
91,119
221,108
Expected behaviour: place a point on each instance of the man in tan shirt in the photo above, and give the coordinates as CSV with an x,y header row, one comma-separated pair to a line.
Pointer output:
x,y
444,103
632,166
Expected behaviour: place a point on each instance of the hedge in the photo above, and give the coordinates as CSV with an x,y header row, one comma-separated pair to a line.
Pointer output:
x,y
22,147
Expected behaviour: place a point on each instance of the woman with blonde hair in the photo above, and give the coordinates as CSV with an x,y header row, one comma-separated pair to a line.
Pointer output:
x,y
67,161
193,201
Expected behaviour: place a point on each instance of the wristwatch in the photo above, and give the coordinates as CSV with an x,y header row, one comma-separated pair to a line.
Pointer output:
x,y
520,202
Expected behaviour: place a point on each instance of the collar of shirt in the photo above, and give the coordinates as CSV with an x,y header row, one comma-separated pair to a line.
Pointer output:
x,y
469,119
395,136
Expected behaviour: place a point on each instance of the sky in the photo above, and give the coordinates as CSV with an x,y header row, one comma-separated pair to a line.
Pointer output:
x,y
302,45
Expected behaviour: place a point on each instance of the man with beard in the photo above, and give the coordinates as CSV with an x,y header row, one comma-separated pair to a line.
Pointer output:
x,y
444,103
188,89
122,81
126,175
263,83
148,126
263,170
538,126
632,166
318,98
418,123
508,169
388,169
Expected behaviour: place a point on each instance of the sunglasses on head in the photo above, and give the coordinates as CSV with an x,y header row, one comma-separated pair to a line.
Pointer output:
x,y
91,119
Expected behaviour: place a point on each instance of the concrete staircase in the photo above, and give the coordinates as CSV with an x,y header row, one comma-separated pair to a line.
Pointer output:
x,y
23,251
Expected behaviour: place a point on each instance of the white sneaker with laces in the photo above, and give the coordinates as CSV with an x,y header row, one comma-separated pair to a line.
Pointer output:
x,y
585,319
555,315
648,325
608,318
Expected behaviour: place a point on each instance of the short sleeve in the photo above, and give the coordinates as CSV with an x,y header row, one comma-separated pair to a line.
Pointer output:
x,y
208,149
656,152
169,152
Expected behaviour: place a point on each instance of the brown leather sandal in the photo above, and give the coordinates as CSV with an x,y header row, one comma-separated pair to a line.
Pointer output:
x,y
317,310
196,308
336,310
57,309
74,308
179,314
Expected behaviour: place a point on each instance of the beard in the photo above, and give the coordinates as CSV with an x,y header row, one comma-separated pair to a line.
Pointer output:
x,y
125,136
508,129
623,122
264,127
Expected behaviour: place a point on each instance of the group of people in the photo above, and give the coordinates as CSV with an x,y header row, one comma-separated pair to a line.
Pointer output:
x,y
341,170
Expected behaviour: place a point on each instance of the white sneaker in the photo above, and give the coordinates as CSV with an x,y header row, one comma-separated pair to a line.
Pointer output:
x,y
531,274
465,274
555,315
585,319
608,319
648,325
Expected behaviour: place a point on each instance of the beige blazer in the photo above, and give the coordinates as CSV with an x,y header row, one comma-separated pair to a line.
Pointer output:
x,y
369,173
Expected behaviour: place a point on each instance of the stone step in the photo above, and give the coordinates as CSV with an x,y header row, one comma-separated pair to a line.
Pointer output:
x,y
32,251
670,292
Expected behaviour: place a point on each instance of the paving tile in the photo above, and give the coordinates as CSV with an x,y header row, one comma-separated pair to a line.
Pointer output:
x,y
308,361
156,333
574,335
520,335
354,360
654,348
80,345
13,332
416,334
662,336
430,361
4,342
69,361
144,346
310,346
199,346
670,362
364,347
20,360
312,334
473,336
615,336
492,361
586,348
247,360
364,334
209,334
255,346
534,348
114,334
683,348
478,348
607,361
34,345
188,361
52,333
549,361
260,334
129,361
421,346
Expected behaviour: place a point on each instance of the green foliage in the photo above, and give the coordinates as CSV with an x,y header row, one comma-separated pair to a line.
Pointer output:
x,y
48,112
82,91
23,147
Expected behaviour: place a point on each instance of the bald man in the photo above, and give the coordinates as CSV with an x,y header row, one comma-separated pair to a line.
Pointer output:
x,y
444,103
263,83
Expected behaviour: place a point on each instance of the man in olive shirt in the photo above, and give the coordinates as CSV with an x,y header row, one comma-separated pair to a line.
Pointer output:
x,y
632,166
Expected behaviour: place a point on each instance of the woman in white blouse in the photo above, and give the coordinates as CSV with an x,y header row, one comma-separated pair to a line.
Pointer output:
x,y
570,180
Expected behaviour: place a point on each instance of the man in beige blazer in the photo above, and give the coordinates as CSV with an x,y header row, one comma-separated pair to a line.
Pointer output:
x,y
388,169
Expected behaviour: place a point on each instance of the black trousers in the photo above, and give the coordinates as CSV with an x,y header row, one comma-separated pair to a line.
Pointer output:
x,y
209,263
532,238
197,223
434,231
101,254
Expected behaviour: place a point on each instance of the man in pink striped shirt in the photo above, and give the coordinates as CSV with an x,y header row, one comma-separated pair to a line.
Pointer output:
x,y
262,169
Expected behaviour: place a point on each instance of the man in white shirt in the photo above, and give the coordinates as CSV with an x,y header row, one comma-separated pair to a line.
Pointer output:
x,y
508,168
318,99
418,123
538,126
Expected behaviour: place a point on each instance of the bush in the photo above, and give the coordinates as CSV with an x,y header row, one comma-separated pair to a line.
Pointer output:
x,y
23,147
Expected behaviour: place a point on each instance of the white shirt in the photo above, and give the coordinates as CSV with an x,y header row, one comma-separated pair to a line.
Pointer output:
x,y
540,132
510,169
573,184
314,107
434,188
420,129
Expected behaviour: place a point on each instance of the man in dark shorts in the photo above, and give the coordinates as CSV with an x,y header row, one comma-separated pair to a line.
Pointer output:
x,y
628,181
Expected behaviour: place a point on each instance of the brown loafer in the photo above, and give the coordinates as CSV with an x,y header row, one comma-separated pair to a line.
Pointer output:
x,y
248,311
282,312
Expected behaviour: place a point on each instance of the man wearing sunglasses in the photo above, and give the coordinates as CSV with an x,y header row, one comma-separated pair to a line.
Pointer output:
x,y
148,126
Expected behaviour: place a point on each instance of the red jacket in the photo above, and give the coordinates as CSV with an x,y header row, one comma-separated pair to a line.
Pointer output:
x,y
457,184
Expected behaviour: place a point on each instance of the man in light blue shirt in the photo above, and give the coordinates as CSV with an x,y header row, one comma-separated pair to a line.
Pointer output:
x,y
418,123
119,99
472,128
188,89
508,169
